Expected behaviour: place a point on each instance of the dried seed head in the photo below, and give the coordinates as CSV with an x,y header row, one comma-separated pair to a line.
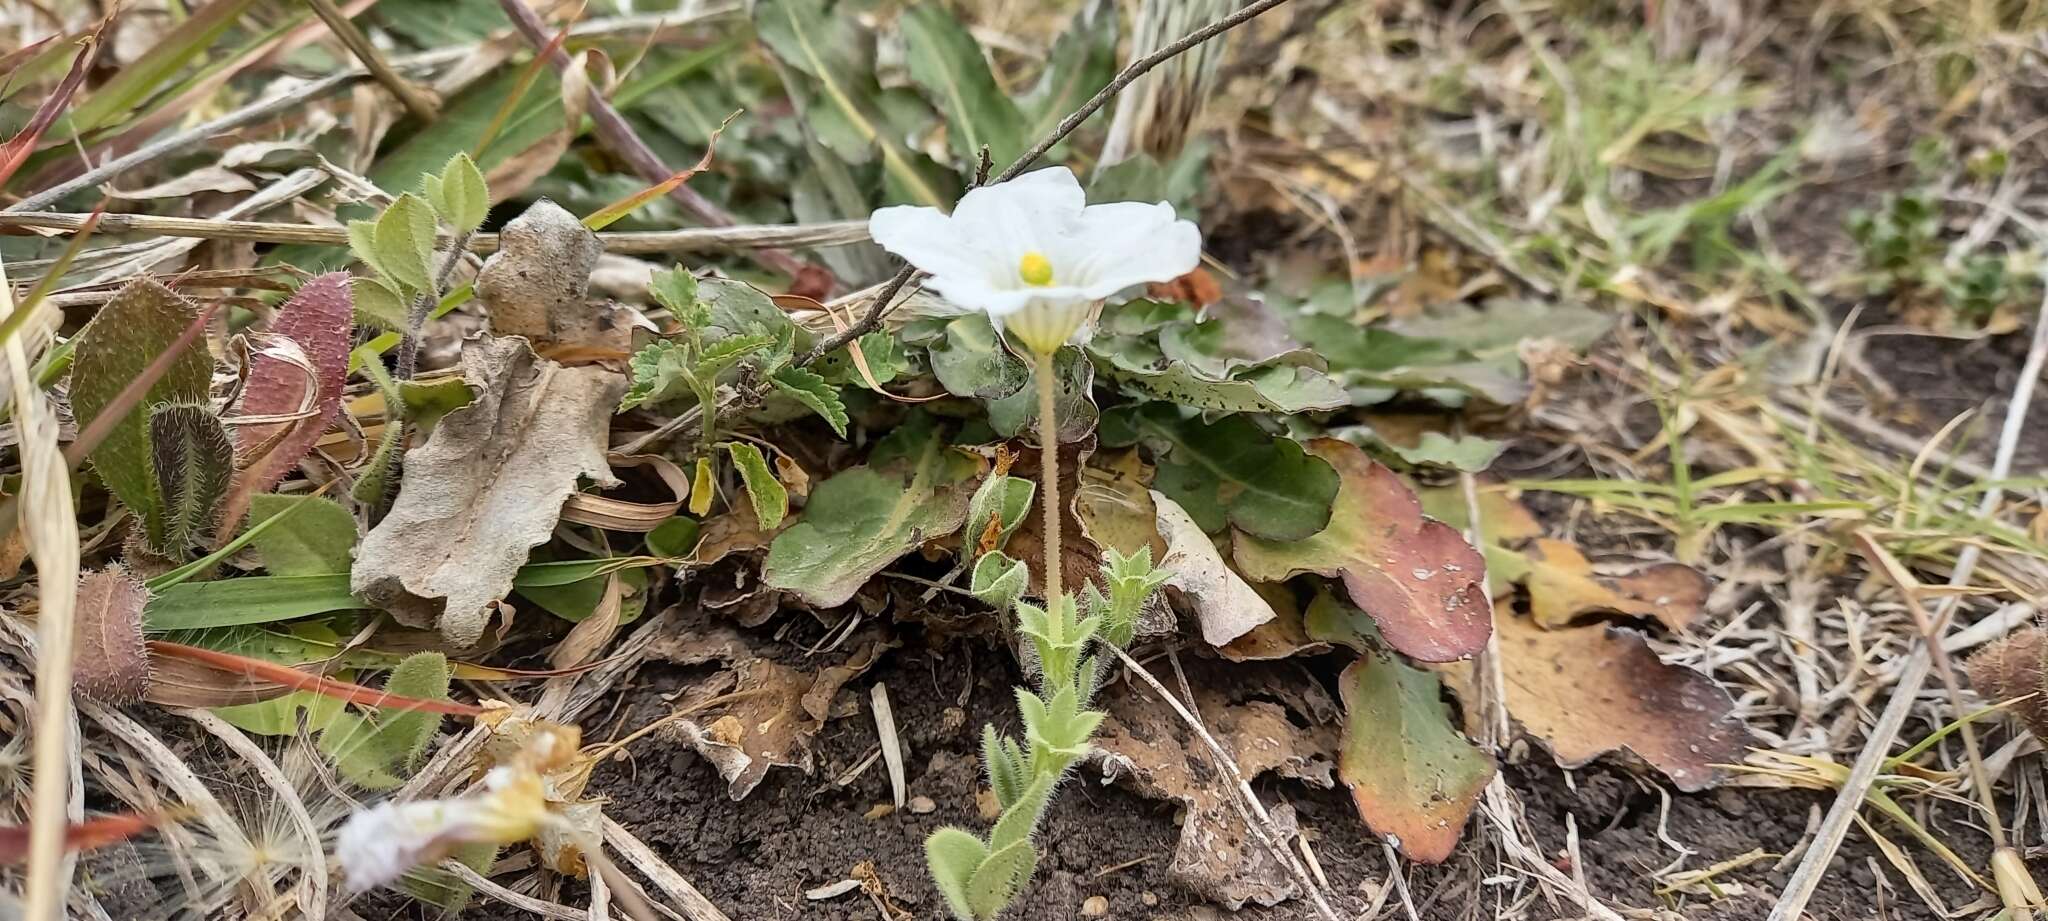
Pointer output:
x,y
110,664
2015,667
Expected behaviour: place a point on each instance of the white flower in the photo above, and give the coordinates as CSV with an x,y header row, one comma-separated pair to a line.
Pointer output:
x,y
1035,255
378,844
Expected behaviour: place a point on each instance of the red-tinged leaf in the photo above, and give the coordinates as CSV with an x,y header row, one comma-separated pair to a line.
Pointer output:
x,y
289,401
109,663
82,836
300,681
1417,577
16,150
11,61
1413,776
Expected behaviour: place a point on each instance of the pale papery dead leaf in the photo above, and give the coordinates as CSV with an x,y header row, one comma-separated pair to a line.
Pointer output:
x,y
487,487
1223,603
535,284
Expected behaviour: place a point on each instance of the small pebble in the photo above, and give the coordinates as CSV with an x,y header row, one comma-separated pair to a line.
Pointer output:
x,y
952,718
1148,898
922,805
1095,907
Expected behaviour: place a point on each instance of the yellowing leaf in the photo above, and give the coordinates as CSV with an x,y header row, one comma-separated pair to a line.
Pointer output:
x,y
1412,775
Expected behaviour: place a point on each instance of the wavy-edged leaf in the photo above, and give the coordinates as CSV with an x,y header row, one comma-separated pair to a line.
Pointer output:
x,y
811,390
1414,778
1231,472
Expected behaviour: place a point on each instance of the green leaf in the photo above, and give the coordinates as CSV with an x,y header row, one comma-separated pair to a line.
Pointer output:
x,y
676,289
1469,453
948,63
829,48
996,511
740,309
425,402
405,242
362,244
377,754
193,459
1082,62
1073,401
723,354
166,54
674,538
1000,878
811,390
971,361
953,854
377,303
129,332
859,521
315,540
998,580
248,600
771,500
1231,472
658,375
576,600
459,194
1414,777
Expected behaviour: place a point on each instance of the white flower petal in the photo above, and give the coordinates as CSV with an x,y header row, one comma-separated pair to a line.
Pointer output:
x,y
1122,244
926,238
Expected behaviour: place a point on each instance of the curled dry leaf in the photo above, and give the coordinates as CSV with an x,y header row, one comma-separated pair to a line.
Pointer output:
x,y
2016,666
534,285
1217,856
487,487
110,664
1417,577
1587,691
623,515
1224,604
756,713
292,393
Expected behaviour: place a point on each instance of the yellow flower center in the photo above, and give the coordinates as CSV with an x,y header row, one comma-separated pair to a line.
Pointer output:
x,y
1035,269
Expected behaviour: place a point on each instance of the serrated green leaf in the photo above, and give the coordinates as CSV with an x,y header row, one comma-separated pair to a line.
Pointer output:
x,y
377,753
129,332
770,498
193,459
376,302
723,354
811,390
952,855
658,375
915,489
404,242
1231,472
313,541
459,194
948,63
1413,776
676,289
740,309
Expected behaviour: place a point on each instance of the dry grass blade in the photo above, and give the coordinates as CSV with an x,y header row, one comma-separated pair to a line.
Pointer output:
x,y
646,242
16,150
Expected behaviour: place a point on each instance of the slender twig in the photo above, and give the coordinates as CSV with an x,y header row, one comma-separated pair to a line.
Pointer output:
x,y
695,239
755,391
619,137
1877,746
417,101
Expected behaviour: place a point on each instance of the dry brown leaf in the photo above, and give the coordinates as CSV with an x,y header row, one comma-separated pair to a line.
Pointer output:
x,y
487,487
1115,503
1216,855
632,517
1279,638
535,284
756,714
1080,558
1563,587
1223,602
1587,691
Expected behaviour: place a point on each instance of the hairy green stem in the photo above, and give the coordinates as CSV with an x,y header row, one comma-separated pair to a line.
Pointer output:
x,y
1049,473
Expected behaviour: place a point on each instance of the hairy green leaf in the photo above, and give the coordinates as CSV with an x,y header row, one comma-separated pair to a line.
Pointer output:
x,y
376,302
953,854
404,242
378,753
459,194
194,460
130,331
314,541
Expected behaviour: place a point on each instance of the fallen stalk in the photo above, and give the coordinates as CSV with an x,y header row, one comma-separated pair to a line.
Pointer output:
x,y
695,239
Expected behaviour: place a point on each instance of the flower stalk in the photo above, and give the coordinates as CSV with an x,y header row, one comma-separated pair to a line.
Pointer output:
x,y
1049,469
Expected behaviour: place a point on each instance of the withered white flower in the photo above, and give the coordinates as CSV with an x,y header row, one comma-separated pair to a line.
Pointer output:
x,y
380,843
1035,256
